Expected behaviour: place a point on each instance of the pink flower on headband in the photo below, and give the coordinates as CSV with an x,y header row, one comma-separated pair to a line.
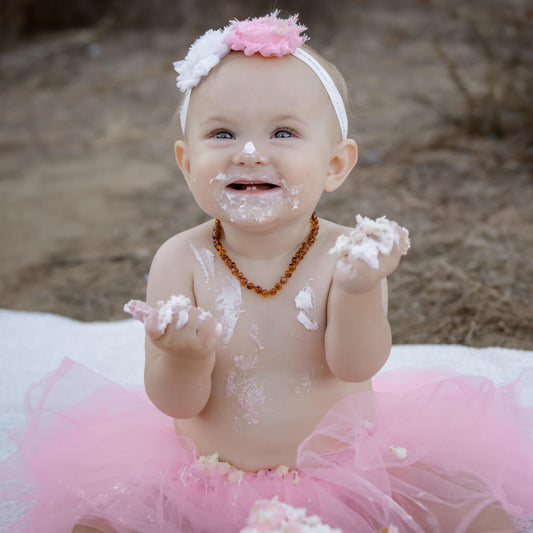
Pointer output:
x,y
268,36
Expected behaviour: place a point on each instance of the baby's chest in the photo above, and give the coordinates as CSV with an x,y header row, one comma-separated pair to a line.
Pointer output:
x,y
297,311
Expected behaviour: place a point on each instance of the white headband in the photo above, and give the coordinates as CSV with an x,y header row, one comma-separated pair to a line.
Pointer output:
x,y
268,36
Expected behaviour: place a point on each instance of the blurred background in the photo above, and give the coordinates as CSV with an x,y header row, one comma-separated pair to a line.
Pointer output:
x,y
441,107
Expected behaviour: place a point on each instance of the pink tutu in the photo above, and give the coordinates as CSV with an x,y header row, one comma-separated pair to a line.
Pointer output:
x,y
426,453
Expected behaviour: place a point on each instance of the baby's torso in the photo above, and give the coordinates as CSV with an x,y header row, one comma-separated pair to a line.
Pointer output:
x,y
271,383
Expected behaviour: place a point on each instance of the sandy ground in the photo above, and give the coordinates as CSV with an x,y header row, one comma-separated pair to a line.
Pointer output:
x,y
89,188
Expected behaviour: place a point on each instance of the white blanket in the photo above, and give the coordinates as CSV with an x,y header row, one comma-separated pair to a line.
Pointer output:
x,y
33,344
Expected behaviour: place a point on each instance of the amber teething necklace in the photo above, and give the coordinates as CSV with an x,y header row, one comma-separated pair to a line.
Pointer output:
x,y
296,258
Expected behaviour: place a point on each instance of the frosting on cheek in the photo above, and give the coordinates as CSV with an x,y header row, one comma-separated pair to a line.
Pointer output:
x,y
220,177
291,194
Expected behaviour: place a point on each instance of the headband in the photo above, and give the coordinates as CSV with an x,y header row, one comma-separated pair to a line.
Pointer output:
x,y
269,36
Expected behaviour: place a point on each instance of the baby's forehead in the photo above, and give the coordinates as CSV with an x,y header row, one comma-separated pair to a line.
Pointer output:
x,y
287,75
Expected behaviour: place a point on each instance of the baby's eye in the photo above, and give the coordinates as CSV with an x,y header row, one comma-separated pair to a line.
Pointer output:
x,y
283,133
222,134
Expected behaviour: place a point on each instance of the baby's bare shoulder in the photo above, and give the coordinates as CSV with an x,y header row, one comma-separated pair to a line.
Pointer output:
x,y
179,245
329,231
172,268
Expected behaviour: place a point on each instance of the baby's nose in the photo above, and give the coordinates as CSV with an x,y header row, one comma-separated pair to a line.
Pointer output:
x,y
249,155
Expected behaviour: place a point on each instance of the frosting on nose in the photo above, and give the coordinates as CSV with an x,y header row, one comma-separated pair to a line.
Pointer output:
x,y
249,148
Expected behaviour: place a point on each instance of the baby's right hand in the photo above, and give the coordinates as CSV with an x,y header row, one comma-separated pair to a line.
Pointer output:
x,y
177,327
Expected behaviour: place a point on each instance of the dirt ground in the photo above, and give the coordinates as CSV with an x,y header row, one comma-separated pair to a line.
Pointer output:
x,y
89,188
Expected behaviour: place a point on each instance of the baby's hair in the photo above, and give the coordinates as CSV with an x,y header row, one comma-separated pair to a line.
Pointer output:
x,y
334,72
331,69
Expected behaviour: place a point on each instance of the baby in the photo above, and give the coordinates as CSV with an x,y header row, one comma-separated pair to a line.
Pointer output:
x,y
264,329
277,329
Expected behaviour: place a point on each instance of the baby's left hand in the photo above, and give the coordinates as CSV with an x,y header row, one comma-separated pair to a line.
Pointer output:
x,y
369,253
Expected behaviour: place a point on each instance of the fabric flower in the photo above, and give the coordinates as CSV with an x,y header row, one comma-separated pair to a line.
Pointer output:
x,y
204,54
269,35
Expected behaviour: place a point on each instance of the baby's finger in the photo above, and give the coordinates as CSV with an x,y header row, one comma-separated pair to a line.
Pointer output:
x,y
346,268
138,309
147,315
208,329
152,326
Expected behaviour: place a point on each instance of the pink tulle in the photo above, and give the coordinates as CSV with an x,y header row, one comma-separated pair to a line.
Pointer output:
x,y
426,452
269,35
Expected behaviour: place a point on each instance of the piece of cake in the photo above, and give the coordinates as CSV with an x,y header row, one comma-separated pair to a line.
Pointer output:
x,y
273,516
370,238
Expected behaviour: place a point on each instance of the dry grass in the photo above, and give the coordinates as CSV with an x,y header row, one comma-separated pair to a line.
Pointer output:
x,y
89,189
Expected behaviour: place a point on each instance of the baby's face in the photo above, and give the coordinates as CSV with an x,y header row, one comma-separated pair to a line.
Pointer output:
x,y
260,138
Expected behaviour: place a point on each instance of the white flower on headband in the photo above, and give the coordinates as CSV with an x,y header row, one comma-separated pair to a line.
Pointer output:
x,y
268,36
204,54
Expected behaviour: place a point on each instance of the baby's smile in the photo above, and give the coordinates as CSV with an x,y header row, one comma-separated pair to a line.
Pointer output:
x,y
250,195
252,186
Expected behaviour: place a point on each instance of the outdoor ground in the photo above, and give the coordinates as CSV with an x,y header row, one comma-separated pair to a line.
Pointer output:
x,y
89,188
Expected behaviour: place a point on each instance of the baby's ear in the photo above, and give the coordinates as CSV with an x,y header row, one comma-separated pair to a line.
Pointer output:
x,y
181,150
343,160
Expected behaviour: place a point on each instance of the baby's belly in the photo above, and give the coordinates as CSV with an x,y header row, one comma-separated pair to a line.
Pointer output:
x,y
267,438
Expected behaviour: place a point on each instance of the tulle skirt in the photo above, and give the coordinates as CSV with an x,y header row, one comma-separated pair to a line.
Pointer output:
x,y
426,452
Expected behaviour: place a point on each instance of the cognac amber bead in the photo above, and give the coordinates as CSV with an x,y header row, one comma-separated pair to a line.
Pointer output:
x,y
250,286
273,291
283,280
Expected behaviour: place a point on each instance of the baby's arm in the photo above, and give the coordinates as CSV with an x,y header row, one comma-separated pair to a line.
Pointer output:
x,y
180,338
358,335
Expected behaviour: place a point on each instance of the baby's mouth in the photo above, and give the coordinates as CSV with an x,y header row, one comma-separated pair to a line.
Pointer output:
x,y
251,186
